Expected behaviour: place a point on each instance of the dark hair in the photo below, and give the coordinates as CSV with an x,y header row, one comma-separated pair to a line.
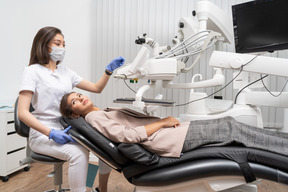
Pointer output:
x,y
40,50
65,109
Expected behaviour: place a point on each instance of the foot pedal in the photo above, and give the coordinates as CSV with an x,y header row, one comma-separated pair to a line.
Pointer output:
x,y
161,102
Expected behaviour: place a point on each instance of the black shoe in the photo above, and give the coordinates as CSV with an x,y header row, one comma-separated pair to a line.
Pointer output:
x,y
97,190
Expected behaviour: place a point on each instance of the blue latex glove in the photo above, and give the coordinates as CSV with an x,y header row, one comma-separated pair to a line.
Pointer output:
x,y
114,64
61,136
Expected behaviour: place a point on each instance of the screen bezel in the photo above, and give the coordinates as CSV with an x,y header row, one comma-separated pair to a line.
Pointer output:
x,y
237,39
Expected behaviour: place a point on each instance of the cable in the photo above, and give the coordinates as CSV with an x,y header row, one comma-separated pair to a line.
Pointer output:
x,y
179,48
251,60
262,83
186,58
129,86
179,105
235,101
270,91
241,68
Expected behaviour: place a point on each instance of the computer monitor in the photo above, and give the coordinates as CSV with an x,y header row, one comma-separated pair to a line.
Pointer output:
x,y
260,26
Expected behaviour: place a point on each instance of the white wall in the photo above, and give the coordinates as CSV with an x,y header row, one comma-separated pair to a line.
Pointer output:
x,y
20,20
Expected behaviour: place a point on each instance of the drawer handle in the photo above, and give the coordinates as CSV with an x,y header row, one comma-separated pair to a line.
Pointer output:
x,y
15,150
11,133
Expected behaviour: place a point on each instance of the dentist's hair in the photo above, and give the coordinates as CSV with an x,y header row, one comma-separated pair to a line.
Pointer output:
x,y
40,50
65,109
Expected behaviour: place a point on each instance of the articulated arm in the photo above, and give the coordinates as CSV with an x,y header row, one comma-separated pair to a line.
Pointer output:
x,y
250,63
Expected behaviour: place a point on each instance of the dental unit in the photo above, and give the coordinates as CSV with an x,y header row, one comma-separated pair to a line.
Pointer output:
x,y
231,168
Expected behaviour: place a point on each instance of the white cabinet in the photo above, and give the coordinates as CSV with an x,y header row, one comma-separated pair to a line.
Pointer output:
x,y
12,146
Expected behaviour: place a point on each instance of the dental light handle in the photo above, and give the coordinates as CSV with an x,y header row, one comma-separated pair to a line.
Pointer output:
x,y
151,109
138,98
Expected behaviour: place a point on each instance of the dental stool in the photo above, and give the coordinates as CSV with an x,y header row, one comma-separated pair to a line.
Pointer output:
x,y
23,130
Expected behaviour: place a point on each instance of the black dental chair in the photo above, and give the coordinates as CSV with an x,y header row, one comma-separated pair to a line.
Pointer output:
x,y
23,130
213,166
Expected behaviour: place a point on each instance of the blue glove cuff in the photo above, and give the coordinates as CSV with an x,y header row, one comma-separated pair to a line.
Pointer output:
x,y
108,73
51,133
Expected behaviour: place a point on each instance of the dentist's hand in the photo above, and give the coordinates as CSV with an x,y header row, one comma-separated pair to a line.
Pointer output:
x,y
114,64
61,136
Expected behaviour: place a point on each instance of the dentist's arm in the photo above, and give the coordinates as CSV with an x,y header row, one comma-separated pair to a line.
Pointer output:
x,y
94,87
26,117
101,83
59,136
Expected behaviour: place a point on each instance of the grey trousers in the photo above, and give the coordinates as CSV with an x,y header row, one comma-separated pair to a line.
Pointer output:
x,y
224,131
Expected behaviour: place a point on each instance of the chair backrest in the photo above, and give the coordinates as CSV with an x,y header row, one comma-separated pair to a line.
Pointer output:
x,y
21,128
116,154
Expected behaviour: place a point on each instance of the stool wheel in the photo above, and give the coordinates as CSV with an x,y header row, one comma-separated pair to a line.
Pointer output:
x,y
5,179
27,168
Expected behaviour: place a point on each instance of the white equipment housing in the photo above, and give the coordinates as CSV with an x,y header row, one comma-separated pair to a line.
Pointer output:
x,y
212,17
257,64
144,68
166,68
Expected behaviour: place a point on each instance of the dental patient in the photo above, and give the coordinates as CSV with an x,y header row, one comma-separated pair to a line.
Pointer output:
x,y
167,136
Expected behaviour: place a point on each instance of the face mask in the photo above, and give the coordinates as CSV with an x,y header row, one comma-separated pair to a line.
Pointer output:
x,y
57,54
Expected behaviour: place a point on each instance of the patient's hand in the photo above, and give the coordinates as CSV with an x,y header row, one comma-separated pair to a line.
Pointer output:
x,y
170,122
162,123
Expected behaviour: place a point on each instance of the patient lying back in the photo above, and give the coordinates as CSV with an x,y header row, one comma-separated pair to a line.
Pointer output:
x,y
168,137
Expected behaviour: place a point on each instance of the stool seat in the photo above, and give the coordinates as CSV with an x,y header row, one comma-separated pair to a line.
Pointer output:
x,y
44,158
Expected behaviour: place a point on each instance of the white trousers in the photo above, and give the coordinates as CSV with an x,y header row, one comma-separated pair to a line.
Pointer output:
x,y
76,155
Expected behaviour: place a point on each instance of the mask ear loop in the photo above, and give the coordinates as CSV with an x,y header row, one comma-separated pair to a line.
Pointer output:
x,y
51,50
50,53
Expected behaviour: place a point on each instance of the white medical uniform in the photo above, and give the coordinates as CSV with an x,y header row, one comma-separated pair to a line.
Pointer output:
x,y
48,88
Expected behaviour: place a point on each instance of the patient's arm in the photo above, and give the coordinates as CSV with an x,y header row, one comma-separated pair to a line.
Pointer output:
x,y
162,123
118,132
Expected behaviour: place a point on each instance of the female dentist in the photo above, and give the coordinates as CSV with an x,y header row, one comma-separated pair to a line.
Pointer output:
x,y
44,83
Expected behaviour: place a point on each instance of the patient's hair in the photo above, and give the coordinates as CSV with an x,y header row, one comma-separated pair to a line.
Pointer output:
x,y
40,50
65,109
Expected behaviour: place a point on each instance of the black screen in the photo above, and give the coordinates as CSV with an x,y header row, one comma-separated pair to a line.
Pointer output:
x,y
260,26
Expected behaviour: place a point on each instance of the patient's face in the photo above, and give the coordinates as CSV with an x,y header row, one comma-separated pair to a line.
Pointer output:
x,y
79,103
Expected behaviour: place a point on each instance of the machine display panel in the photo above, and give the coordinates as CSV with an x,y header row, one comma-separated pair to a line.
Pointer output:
x,y
260,26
